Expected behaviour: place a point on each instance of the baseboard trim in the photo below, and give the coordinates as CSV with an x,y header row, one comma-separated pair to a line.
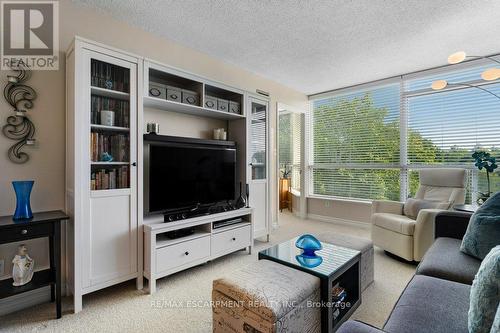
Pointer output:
x,y
337,220
24,300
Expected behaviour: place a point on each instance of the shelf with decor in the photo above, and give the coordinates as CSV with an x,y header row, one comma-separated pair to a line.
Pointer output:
x,y
216,98
166,105
173,90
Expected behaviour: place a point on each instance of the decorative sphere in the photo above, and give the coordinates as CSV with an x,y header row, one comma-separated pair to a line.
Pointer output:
x,y
309,261
309,244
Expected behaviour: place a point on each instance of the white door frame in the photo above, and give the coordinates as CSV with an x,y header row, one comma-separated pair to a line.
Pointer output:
x,y
260,99
303,200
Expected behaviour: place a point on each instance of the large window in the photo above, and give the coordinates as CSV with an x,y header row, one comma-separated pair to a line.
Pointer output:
x,y
369,143
356,144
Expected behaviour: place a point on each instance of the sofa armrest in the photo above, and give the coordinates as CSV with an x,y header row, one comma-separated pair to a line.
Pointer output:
x,y
385,206
354,326
423,237
451,224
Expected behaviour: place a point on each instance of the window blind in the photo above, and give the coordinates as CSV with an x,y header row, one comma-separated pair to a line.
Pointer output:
x,y
290,136
356,144
446,127
258,141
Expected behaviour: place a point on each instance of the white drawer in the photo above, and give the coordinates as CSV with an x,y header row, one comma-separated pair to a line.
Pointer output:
x,y
173,256
231,240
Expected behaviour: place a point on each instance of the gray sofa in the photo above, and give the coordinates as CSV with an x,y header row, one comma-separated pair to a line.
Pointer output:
x,y
437,297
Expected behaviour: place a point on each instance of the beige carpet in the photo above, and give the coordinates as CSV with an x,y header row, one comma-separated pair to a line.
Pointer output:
x,y
179,304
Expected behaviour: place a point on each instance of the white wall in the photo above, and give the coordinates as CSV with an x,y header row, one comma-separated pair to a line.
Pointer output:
x,y
351,210
46,166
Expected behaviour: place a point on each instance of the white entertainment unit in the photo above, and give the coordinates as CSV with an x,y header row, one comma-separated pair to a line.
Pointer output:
x,y
110,238
164,256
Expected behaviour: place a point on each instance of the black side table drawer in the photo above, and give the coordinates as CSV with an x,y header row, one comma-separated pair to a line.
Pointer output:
x,y
25,232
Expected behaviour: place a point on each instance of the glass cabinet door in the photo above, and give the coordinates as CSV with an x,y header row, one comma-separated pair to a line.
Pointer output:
x,y
109,126
258,139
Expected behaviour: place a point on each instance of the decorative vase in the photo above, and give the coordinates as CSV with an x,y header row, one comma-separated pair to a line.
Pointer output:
x,y
23,192
247,191
309,261
308,244
482,197
240,202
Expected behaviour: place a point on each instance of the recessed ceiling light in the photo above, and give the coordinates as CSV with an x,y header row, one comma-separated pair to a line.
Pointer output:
x,y
491,74
439,84
456,57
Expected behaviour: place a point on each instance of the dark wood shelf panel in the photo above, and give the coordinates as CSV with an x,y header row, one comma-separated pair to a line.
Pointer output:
x,y
40,279
40,217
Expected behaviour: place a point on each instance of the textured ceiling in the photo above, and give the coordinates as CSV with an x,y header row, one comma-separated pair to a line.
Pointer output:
x,y
314,46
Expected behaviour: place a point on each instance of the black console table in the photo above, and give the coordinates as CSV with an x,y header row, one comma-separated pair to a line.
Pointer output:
x,y
43,224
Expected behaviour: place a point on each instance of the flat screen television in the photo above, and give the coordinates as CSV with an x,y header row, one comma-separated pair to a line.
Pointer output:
x,y
183,175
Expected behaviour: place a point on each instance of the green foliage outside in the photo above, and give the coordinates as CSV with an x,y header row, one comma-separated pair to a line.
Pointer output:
x,y
337,142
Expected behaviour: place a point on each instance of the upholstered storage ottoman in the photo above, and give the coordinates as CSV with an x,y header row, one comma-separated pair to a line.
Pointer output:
x,y
266,297
363,245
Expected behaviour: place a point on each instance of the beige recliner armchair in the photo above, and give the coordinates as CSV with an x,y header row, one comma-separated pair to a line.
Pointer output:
x,y
407,237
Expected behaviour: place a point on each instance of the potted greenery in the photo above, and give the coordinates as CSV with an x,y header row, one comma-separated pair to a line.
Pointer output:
x,y
285,187
285,172
484,160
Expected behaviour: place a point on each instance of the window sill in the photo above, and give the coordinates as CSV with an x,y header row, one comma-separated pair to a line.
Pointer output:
x,y
349,200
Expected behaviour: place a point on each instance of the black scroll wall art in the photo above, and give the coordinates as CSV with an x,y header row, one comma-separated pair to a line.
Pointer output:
x,y
19,127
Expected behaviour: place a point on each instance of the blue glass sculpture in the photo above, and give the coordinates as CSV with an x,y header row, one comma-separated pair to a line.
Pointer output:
x,y
23,193
309,261
309,244
106,157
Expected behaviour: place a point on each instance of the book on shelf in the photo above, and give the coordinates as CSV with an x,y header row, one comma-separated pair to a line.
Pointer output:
x,y
120,107
109,178
109,76
338,294
116,145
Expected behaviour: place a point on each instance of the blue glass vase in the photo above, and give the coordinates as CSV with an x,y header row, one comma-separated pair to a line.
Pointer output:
x,y
23,193
308,244
309,261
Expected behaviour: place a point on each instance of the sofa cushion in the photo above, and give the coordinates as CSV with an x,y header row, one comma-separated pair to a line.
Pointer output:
x,y
353,326
413,206
443,177
485,293
397,223
430,305
445,261
495,328
483,232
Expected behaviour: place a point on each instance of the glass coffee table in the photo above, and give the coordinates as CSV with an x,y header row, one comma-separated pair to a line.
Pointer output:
x,y
338,270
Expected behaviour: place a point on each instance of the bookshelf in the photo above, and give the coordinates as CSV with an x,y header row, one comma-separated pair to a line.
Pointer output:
x,y
110,126
103,235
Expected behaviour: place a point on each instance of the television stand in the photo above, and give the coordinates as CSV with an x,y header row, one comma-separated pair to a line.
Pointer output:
x,y
164,256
